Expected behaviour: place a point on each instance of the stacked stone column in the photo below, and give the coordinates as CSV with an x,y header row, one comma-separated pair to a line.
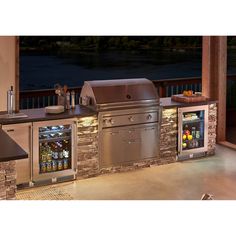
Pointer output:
x,y
7,180
168,137
212,122
87,139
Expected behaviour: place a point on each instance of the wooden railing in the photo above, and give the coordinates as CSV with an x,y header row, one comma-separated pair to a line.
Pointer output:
x,y
165,88
41,98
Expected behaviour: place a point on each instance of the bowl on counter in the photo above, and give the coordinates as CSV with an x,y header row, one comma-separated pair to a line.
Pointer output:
x,y
54,109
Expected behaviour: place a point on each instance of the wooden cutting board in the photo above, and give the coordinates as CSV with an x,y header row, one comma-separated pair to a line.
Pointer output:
x,y
193,98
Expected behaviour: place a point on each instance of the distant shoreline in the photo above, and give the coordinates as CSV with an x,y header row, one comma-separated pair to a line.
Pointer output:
x,y
74,50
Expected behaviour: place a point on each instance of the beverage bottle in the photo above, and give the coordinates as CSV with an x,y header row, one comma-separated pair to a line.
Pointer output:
x,y
10,101
72,99
194,132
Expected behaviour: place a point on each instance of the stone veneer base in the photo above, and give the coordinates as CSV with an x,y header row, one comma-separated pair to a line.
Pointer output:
x,y
7,180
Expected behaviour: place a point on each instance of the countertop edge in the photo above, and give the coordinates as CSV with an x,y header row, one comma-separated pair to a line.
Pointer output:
x,y
38,114
168,103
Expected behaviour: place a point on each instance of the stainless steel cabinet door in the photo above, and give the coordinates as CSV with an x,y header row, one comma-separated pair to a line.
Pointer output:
x,y
132,144
112,148
21,134
150,145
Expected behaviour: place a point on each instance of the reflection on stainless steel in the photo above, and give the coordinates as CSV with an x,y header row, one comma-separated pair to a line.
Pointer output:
x,y
129,119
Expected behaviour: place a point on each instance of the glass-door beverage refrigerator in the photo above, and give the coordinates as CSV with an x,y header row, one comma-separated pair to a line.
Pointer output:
x,y
54,151
192,132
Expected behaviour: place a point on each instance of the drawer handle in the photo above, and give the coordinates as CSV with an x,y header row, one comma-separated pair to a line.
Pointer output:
x,y
10,130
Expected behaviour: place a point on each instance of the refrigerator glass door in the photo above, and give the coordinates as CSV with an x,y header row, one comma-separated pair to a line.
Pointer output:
x,y
54,149
55,145
193,129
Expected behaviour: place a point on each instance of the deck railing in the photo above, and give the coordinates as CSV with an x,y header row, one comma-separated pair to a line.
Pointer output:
x,y
165,88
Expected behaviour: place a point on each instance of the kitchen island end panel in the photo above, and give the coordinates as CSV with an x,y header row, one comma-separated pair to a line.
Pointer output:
x,y
8,180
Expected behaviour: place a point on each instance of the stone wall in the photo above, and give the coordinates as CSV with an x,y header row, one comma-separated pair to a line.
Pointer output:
x,y
212,122
7,180
168,137
87,139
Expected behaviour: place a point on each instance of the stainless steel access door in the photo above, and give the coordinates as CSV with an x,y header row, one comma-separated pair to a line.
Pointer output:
x,y
128,144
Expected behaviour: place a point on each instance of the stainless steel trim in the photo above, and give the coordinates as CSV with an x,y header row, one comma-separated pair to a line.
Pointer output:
x,y
31,151
124,105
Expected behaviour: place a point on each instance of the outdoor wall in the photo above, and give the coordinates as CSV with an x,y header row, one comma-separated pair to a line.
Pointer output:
x,y
7,68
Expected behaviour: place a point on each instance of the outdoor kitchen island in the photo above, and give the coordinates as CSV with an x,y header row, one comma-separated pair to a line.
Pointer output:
x,y
171,130
87,134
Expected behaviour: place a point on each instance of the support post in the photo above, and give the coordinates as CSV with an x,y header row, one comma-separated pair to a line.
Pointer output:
x,y
214,77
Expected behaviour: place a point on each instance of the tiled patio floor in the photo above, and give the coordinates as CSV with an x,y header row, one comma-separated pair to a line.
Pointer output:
x,y
178,181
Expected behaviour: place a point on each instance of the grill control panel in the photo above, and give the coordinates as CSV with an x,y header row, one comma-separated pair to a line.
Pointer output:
x,y
129,119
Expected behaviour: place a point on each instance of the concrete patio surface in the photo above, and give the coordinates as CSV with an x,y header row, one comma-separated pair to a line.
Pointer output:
x,y
178,181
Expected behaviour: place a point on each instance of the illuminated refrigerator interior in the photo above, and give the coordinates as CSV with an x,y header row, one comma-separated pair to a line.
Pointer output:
x,y
193,132
54,154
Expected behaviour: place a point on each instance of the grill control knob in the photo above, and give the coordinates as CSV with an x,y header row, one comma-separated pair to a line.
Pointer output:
x,y
131,118
149,117
111,121
104,121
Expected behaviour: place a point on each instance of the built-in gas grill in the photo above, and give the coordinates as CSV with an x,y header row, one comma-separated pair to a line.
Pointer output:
x,y
129,119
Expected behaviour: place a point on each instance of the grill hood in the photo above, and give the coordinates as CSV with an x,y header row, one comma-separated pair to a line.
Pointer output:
x,y
113,93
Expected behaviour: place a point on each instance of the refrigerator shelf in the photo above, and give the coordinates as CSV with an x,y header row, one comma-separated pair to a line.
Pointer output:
x,y
55,131
198,139
54,139
192,121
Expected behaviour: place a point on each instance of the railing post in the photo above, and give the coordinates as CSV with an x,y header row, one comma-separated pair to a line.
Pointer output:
x,y
162,90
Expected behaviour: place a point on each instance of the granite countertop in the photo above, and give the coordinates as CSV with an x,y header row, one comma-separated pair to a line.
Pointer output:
x,y
168,103
39,114
10,150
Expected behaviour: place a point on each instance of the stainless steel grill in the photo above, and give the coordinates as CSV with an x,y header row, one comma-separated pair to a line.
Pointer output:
x,y
129,119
